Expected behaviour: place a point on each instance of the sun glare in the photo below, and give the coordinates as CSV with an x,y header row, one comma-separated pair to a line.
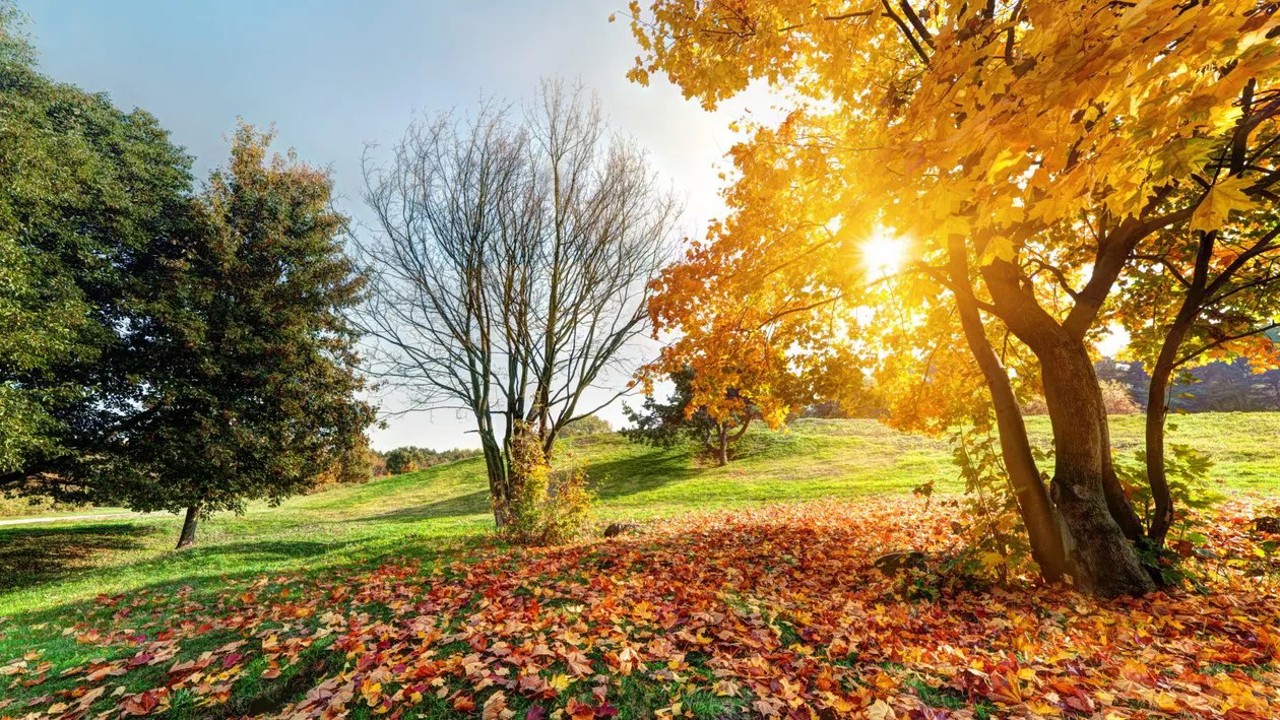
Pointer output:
x,y
883,254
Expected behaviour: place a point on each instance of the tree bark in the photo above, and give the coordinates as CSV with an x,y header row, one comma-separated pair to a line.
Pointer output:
x,y
722,449
1104,560
1117,501
188,535
1043,531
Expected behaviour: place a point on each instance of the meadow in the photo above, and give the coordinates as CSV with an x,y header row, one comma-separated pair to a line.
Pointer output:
x,y
81,597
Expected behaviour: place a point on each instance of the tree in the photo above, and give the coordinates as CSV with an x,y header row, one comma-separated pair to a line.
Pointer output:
x,y
664,424
1205,291
1112,121
510,268
589,425
252,388
93,198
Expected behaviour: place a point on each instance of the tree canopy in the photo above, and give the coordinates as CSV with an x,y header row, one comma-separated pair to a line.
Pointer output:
x,y
251,392
93,197
1018,156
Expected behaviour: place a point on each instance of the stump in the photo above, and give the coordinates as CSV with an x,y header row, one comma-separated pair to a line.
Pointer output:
x,y
895,562
1267,524
618,528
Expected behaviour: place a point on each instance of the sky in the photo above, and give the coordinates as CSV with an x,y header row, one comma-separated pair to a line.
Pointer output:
x,y
335,76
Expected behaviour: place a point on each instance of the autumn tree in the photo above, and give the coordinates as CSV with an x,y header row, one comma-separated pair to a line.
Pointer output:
x,y
251,389
663,424
1198,293
1025,151
510,265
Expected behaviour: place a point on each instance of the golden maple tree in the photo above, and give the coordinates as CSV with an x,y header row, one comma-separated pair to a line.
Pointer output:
x,y
1025,152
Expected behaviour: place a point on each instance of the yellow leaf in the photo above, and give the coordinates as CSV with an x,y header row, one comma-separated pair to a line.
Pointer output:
x,y
880,710
1005,160
558,682
1218,202
998,247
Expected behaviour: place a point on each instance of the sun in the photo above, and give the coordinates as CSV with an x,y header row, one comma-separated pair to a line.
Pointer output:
x,y
883,254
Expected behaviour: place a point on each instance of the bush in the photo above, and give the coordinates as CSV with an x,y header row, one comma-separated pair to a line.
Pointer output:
x,y
549,508
1118,399
589,425
401,460
1116,396
411,459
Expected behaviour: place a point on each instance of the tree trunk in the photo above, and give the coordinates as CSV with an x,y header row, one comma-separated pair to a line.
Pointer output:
x,y
1043,530
1105,561
188,535
1117,501
1158,389
722,452
1157,408
496,469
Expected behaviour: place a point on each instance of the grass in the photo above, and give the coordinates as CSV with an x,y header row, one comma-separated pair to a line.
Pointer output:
x,y
45,565
52,571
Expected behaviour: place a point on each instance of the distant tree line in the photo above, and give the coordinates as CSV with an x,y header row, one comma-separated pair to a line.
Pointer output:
x,y
410,459
1219,386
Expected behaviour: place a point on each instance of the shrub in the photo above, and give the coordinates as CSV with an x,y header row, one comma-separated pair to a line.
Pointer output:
x,y
548,507
401,460
411,459
1116,396
589,425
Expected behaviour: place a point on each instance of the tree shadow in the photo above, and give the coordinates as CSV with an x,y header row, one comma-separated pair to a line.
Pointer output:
x,y
34,555
263,550
473,503
626,476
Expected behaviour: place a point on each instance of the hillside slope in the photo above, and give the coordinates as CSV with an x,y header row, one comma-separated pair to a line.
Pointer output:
x,y
426,512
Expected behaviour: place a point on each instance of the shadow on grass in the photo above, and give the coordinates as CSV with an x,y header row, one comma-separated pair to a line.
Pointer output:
x,y
262,550
30,556
655,468
470,504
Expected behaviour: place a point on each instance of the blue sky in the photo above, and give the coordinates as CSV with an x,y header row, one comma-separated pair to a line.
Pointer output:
x,y
335,75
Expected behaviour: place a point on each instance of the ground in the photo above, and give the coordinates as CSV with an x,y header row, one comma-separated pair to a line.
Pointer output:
x,y
749,590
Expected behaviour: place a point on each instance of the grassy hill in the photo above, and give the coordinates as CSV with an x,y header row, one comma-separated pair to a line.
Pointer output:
x,y
394,594
427,512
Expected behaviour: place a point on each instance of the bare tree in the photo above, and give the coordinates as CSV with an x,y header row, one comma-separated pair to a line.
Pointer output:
x,y
510,267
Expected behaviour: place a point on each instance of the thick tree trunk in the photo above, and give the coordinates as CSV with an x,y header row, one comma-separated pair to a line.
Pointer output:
x,y
1043,530
722,450
1104,559
1117,501
188,535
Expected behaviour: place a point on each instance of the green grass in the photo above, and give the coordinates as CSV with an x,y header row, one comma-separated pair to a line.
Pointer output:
x,y
420,514
51,572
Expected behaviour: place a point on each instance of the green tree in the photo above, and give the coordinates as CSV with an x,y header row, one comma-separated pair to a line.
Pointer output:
x,y
253,388
589,425
92,197
664,424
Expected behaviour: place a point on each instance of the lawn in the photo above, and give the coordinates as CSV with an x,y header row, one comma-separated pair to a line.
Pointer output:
x,y
261,605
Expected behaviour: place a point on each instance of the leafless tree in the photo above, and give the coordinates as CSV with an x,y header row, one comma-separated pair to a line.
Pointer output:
x,y
510,266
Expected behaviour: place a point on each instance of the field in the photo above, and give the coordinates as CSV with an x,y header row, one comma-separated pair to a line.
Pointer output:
x,y
263,605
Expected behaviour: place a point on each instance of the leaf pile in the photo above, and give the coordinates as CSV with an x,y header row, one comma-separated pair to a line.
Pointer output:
x,y
773,612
